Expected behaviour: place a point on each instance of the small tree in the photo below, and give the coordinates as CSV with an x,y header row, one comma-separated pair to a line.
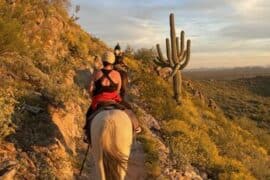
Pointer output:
x,y
129,51
75,16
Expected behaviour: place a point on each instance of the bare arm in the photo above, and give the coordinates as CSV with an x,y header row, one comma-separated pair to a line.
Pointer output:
x,y
91,86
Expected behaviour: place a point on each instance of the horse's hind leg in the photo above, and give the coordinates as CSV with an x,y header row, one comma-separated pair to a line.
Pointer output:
x,y
98,157
97,151
125,150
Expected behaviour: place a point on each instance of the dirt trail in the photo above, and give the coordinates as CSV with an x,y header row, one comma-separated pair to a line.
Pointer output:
x,y
136,168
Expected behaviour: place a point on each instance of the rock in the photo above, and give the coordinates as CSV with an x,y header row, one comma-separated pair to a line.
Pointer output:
x,y
161,177
9,147
7,170
204,175
188,174
178,175
25,76
164,72
12,75
37,93
9,175
196,178
167,171
212,104
97,63
11,1
32,109
148,119
34,78
134,91
189,84
67,124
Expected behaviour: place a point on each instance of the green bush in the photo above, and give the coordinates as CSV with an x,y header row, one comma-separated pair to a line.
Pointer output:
x,y
11,39
145,54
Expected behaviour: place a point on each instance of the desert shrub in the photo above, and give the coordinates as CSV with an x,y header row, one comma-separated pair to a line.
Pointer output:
x,y
63,3
145,54
129,51
77,43
158,95
189,144
261,134
11,36
7,105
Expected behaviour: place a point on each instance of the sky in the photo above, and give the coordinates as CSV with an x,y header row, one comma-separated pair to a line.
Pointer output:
x,y
223,33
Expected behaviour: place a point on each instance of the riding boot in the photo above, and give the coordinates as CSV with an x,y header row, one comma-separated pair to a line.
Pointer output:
x,y
87,129
135,123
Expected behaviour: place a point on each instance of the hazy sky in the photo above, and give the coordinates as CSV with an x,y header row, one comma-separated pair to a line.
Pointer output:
x,y
224,33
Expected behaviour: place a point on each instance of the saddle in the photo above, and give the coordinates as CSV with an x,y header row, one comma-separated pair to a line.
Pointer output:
x,y
111,105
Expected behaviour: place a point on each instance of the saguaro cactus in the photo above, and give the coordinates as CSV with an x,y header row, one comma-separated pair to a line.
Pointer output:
x,y
177,57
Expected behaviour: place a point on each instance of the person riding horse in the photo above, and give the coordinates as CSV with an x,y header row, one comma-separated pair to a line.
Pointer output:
x,y
105,86
121,67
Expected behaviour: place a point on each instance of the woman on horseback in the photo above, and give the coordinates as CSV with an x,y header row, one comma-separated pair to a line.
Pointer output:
x,y
104,87
106,83
121,67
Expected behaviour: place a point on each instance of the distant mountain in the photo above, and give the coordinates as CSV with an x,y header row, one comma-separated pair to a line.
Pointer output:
x,y
227,73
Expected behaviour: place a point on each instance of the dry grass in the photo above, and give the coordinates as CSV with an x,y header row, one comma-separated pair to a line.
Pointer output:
x,y
202,137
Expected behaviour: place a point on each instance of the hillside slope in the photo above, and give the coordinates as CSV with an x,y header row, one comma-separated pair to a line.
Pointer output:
x,y
45,63
198,135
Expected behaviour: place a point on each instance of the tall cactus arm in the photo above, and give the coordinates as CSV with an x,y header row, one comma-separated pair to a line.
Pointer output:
x,y
169,55
173,39
182,57
182,47
159,63
187,56
178,46
160,55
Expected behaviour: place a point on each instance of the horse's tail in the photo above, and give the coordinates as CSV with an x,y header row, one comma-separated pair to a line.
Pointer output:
x,y
113,159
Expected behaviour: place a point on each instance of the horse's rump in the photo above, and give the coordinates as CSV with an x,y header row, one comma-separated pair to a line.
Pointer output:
x,y
111,135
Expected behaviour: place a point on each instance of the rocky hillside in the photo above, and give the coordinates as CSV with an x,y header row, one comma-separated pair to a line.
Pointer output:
x,y
46,60
45,63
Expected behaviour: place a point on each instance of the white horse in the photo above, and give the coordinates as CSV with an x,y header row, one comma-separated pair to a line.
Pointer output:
x,y
111,136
